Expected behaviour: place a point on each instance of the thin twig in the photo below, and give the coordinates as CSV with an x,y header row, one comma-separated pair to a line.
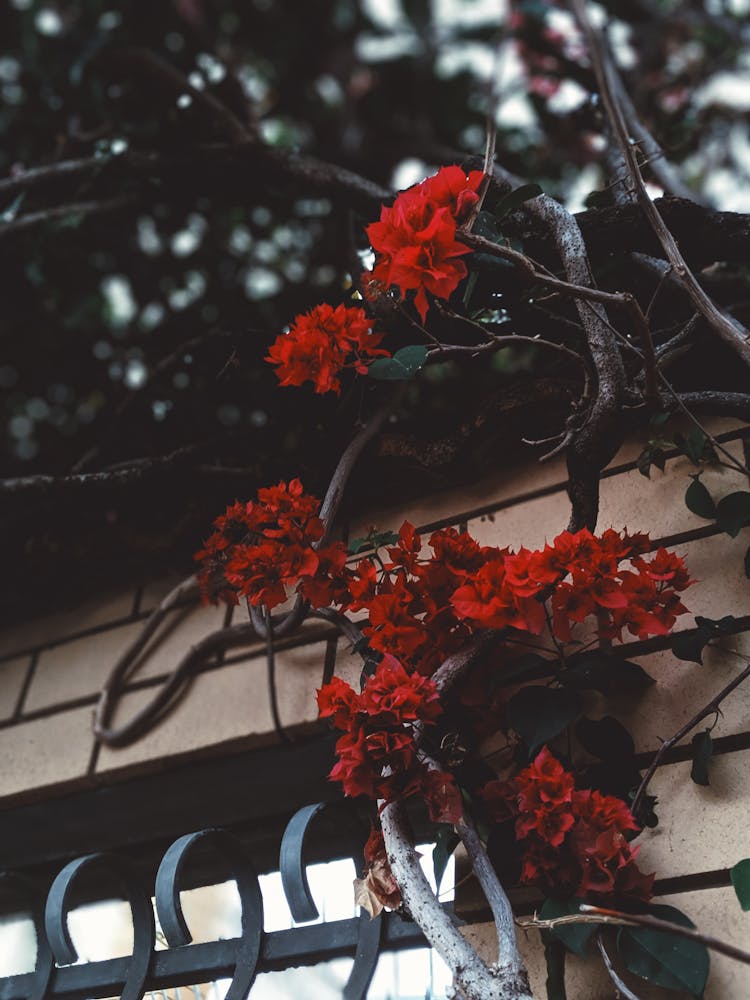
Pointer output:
x,y
728,328
707,710
623,990
599,915
65,215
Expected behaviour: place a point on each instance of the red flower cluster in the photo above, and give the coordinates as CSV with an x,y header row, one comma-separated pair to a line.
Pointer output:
x,y
424,607
585,576
321,343
573,841
415,239
261,548
377,755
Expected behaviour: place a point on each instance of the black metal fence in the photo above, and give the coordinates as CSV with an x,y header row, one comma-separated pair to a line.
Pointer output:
x,y
184,963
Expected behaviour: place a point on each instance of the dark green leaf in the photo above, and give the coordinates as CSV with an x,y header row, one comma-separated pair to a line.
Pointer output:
x,y
643,463
740,876
471,283
575,937
403,365
659,419
702,747
516,198
598,671
486,225
526,667
719,626
733,512
690,645
446,841
375,540
554,954
605,738
538,714
699,501
598,199
664,959
695,444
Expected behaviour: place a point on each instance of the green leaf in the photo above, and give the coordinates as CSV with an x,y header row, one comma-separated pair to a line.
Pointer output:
x,y
664,959
596,670
702,748
690,645
693,444
514,199
486,225
471,283
538,714
554,955
526,667
740,876
699,501
606,739
652,454
575,937
375,540
719,626
659,419
733,512
403,365
446,841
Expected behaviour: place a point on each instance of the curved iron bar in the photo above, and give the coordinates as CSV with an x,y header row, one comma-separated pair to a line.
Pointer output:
x,y
169,907
144,931
297,891
19,886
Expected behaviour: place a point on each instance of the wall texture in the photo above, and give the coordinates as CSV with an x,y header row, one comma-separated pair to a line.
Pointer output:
x,y
52,668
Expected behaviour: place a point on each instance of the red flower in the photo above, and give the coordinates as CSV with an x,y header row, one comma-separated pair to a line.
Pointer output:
x,y
573,841
321,343
415,239
405,697
338,702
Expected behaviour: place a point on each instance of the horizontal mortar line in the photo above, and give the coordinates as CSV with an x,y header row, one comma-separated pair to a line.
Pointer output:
x,y
208,666
659,643
627,650
719,878
92,630
696,882
556,487
721,746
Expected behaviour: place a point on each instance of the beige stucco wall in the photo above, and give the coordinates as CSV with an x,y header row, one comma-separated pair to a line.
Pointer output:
x,y
51,670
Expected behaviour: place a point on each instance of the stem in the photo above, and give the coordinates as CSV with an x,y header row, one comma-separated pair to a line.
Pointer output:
x,y
508,955
473,978
599,915
620,986
345,467
728,328
707,710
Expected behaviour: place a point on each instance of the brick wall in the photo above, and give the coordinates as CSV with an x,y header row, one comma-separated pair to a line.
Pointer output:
x,y
51,670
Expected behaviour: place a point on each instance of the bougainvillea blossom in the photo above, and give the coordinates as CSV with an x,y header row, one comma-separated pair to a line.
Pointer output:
x,y
415,240
322,343
573,841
